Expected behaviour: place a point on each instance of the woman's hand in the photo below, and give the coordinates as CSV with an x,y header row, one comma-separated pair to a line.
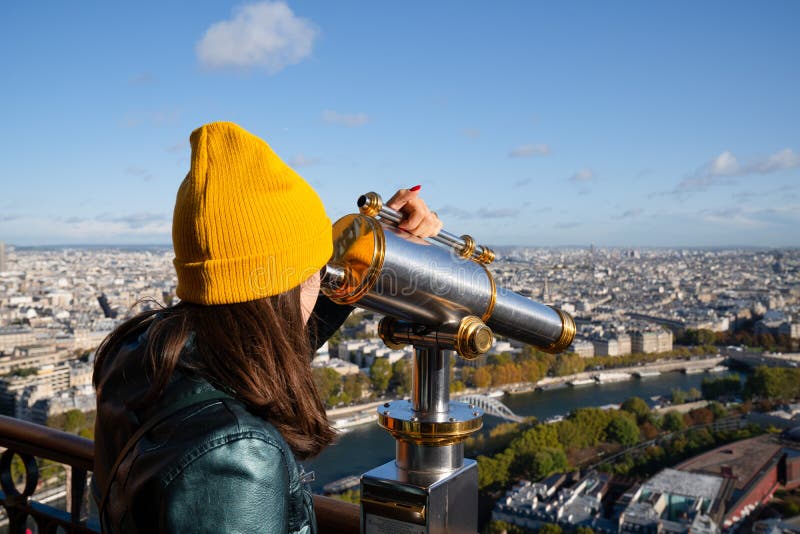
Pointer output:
x,y
418,219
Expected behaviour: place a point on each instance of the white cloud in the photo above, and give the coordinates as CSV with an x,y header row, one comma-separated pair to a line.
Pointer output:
x,y
722,168
265,34
350,120
472,133
582,176
779,161
527,151
136,221
736,217
724,165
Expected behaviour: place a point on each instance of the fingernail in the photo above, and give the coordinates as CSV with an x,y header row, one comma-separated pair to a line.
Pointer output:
x,y
416,188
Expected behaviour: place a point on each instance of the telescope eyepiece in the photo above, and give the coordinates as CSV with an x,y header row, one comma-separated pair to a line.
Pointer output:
x,y
370,204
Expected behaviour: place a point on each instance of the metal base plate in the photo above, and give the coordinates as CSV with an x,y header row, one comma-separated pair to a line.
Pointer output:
x,y
400,419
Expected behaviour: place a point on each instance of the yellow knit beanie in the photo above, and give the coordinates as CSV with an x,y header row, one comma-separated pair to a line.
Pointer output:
x,y
246,226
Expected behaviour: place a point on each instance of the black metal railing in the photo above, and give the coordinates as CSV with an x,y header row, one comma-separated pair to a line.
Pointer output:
x,y
24,511
30,441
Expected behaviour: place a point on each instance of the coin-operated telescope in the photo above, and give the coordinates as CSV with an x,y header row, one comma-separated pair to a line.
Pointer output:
x,y
438,299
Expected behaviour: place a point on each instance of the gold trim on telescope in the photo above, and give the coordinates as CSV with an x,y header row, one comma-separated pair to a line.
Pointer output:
x,y
372,204
403,423
359,247
486,256
567,333
385,329
468,248
473,338
492,297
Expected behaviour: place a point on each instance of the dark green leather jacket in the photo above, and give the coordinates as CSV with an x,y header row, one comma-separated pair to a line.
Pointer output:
x,y
209,467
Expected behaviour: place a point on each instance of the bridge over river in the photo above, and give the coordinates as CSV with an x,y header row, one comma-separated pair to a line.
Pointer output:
x,y
757,359
492,406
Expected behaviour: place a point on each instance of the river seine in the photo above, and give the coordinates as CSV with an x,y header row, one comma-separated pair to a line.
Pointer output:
x,y
364,447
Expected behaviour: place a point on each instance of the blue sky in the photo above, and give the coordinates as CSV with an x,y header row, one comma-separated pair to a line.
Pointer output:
x,y
563,123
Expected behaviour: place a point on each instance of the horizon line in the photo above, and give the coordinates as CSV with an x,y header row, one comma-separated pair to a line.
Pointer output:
x,y
497,247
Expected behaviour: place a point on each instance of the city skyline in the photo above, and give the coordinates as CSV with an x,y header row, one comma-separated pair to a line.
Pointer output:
x,y
534,125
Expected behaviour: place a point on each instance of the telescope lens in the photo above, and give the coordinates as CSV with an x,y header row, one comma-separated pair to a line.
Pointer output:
x,y
358,249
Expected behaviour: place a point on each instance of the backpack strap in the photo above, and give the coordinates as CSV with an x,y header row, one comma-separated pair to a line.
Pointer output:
x,y
200,398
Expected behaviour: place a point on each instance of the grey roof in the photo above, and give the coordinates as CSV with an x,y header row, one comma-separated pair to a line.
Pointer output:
x,y
676,482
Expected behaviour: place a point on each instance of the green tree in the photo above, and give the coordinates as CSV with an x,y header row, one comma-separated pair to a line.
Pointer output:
x,y
568,433
548,460
706,337
774,383
584,530
678,396
354,385
591,422
622,430
718,410
494,470
401,376
380,373
727,386
74,420
638,407
329,385
673,422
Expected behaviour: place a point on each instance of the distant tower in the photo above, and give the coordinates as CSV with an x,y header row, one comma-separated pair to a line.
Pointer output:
x,y
545,292
107,311
2,257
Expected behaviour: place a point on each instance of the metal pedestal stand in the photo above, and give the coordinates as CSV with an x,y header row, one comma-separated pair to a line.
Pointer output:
x,y
429,487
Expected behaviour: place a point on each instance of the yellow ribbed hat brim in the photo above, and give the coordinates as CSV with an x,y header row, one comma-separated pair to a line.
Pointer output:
x,y
224,281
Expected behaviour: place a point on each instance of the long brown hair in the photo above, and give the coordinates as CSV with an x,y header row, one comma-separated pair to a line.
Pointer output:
x,y
258,351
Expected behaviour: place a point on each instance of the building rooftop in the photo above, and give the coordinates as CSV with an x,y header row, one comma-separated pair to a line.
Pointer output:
x,y
742,460
674,482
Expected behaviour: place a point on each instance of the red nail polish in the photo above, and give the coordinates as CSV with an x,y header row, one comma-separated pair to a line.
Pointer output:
x,y
416,188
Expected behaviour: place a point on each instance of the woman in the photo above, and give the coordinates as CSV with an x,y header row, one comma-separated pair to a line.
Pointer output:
x,y
203,407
